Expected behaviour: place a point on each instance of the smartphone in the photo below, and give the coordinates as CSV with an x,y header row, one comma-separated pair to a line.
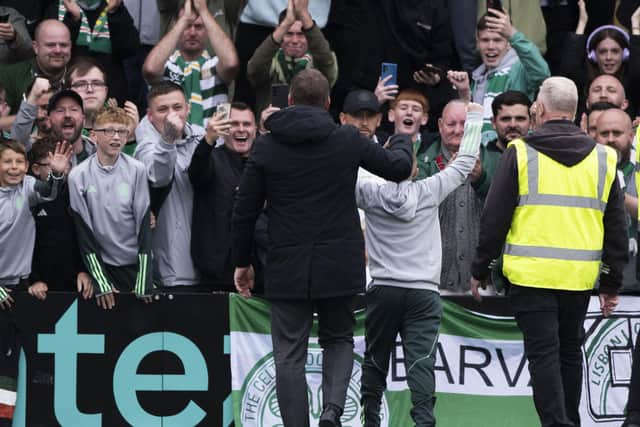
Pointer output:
x,y
225,108
4,18
389,69
432,69
280,95
494,4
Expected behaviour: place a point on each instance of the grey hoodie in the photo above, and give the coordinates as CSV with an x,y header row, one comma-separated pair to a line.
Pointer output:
x,y
172,261
402,231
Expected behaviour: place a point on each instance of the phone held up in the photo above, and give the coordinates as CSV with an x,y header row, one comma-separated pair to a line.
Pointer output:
x,y
494,4
225,109
389,69
280,95
4,18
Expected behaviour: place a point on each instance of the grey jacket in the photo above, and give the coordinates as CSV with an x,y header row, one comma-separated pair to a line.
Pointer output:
x,y
402,230
167,164
17,227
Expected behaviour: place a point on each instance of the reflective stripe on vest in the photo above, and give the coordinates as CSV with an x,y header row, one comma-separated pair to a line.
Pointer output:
x,y
556,234
535,198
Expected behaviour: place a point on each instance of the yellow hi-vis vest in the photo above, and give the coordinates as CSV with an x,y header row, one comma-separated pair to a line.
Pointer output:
x,y
557,231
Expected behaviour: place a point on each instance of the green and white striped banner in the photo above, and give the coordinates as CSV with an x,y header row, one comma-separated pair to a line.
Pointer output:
x,y
481,373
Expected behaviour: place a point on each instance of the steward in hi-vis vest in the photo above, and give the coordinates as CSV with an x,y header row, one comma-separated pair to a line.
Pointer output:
x,y
555,211
556,234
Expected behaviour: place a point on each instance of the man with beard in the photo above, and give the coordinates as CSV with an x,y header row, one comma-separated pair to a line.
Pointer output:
x,y
460,211
362,110
52,45
66,115
203,78
614,129
33,111
510,119
215,173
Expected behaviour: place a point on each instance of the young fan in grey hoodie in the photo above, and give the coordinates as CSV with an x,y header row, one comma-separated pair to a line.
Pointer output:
x,y
405,257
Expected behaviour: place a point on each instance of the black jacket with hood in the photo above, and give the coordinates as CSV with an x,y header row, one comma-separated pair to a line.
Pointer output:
x,y
306,171
565,143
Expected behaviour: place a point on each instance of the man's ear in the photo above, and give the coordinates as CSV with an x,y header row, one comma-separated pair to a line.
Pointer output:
x,y
425,119
341,116
328,103
625,104
391,115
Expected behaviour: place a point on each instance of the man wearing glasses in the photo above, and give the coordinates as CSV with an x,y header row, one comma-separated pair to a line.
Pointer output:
x,y
88,79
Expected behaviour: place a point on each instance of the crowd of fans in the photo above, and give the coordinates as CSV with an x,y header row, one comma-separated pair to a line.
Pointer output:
x,y
147,78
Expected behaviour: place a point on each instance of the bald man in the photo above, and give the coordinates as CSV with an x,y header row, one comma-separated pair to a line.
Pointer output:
x,y
52,45
615,130
607,88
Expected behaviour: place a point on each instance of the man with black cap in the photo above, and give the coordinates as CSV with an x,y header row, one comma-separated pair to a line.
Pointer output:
x,y
66,114
362,110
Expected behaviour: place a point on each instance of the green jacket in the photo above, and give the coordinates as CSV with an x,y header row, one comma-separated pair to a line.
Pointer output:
x,y
522,68
431,160
259,66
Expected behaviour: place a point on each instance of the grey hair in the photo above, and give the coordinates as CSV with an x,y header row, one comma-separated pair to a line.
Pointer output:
x,y
559,94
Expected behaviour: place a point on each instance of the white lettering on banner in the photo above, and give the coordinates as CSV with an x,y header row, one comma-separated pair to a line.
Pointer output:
x,y
608,352
472,366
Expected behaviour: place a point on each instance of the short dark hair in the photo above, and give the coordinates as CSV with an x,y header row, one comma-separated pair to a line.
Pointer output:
x,y
601,106
13,145
163,87
282,15
509,98
309,87
41,148
81,66
241,106
482,23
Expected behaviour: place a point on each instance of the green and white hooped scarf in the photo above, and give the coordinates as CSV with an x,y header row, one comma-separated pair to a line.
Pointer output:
x,y
98,40
191,75
287,67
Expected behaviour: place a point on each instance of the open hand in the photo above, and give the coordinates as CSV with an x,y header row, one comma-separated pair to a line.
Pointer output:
x,y
385,93
60,158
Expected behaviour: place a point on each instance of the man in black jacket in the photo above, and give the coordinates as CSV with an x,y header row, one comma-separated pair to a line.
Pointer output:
x,y
215,173
305,170
556,207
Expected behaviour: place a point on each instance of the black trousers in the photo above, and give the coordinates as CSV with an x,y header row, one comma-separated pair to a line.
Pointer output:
x,y
551,322
291,322
633,402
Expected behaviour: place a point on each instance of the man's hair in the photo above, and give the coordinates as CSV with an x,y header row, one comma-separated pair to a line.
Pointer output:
x,y
411,95
309,87
41,148
81,67
559,94
44,23
600,106
483,23
241,106
13,145
509,98
111,115
163,87
282,15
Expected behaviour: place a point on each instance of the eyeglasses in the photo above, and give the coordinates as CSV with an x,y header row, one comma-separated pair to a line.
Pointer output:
x,y
109,132
83,85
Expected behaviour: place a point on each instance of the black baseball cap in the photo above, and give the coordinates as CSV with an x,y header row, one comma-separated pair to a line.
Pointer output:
x,y
65,93
360,99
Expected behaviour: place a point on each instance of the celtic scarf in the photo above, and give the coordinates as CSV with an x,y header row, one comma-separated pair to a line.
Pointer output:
x,y
96,40
191,84
286,67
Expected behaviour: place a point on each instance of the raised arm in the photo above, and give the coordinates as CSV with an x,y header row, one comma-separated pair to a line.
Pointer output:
x,y
437,187
222,45
153,67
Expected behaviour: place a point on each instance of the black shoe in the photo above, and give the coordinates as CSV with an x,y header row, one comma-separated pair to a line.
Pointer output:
x,y
330,416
